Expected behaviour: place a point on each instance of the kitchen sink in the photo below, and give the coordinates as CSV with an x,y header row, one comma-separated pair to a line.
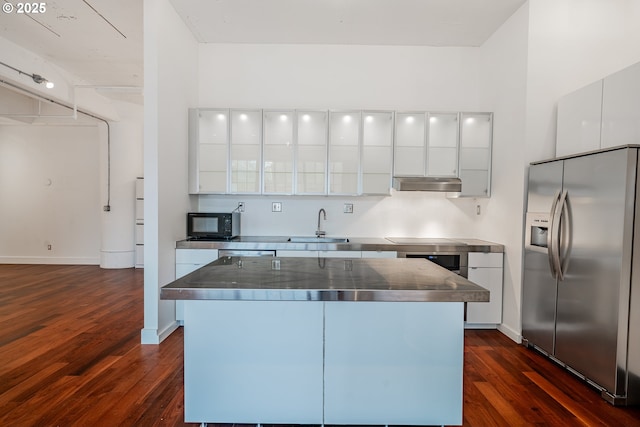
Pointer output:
x,y
314,239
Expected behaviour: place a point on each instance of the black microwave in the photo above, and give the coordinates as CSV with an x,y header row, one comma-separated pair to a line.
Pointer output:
x,y
213,225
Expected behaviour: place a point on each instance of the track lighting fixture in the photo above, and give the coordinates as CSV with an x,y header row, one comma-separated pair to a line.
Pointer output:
x,y
36,77
39,79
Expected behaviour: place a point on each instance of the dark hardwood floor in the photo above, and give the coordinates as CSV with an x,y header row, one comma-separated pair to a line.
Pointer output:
x,y
70,355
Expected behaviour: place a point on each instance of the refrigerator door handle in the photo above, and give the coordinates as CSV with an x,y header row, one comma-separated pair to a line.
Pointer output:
x,y
565,235
551,240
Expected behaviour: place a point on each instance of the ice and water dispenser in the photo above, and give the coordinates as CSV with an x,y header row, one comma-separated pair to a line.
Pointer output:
x,y
537,230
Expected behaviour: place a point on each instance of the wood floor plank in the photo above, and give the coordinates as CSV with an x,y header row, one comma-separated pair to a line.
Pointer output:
x,y
70,355
502,405
583,413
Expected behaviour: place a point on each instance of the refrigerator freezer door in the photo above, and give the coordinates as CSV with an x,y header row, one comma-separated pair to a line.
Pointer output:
x,y
545,181
538,301
589,297
539,287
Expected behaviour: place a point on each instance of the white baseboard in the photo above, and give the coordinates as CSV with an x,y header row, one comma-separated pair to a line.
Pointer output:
x,y
49,260
480,326
510,333
117,259
152,336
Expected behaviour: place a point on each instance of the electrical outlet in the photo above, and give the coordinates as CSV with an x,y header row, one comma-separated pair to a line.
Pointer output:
x,y
276,207
240,207
48,247
348,208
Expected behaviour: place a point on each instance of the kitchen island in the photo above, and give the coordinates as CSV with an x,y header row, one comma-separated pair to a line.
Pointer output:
x,y
324,341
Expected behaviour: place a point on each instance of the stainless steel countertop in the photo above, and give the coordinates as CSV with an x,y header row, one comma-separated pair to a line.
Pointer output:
x,y
354,244
324,279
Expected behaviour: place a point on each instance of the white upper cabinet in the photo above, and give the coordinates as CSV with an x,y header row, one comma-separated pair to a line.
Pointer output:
x,y
305,152
579,116
603,114
621,108
442,145
311,152
278,152
377,152
410,144
344,152
209,150
475,154
245,149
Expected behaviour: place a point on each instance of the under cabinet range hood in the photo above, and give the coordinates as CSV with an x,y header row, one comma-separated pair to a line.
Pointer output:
x,y
419,183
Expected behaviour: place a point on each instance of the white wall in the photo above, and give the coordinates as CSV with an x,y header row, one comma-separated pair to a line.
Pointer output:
x,y
345,77
49,194
571,44
404,214
337,77
57,130
504,77
170,75
118,231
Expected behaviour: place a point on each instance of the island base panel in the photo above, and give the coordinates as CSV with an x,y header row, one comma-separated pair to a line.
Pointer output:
x,y
393,363
253,362
294,362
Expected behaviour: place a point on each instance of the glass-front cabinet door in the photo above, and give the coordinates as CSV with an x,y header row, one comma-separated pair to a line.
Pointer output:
x,y
245,146
377,152
475,153
344,152
442,145
311,152
278,152
410,144
209,145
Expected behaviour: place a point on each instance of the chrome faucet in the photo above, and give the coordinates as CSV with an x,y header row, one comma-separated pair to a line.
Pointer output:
x,y
319,232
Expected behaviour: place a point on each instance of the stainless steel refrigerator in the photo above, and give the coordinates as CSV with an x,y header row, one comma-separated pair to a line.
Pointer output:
x,y
580,301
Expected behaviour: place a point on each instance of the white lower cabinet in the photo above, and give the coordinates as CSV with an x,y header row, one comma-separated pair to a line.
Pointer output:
x,y
297,254
336,254
339,254
486,270
379,254
319,254
187,261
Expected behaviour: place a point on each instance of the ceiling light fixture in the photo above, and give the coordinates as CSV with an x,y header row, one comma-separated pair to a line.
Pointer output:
x,y
36,77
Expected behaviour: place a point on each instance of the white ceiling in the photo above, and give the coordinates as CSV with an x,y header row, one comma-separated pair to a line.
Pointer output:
x,y
363,22
100,41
